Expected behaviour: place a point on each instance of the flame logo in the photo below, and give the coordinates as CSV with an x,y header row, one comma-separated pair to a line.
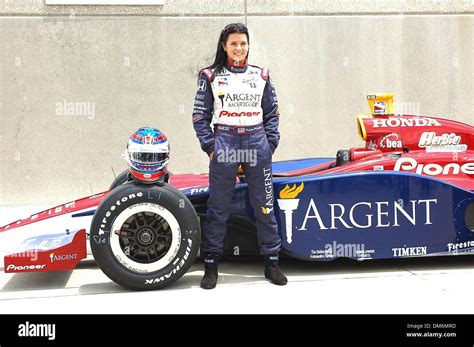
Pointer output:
x,y
51,255
291,193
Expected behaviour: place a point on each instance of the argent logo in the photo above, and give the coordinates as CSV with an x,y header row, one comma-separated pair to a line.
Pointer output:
x,y
62,257
37,330
360,215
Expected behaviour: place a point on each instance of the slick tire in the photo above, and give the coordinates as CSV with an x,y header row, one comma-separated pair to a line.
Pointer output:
x,y
120,179
145,237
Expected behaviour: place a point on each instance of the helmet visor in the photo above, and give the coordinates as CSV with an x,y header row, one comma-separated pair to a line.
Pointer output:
x,y
148,158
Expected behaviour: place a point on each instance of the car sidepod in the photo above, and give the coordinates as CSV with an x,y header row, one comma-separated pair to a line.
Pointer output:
x,y
372,215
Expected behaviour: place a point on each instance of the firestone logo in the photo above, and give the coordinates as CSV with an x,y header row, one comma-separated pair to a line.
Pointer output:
x,y
361,215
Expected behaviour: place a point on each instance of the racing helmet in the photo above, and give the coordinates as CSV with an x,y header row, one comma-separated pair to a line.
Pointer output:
x,y
147,155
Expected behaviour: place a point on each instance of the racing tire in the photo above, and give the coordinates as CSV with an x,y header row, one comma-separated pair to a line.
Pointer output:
x,y
120,179
145,237
125,177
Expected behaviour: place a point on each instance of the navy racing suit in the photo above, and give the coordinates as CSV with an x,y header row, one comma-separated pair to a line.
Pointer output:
x,y
241,105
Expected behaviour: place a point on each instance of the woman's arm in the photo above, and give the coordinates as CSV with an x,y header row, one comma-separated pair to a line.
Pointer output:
x,y
202,113
271,115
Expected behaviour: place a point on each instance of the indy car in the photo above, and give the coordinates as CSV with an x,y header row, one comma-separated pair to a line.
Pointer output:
x,y
408,192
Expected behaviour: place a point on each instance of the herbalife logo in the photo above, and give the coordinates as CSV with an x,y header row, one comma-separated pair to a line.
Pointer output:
x,y
288,204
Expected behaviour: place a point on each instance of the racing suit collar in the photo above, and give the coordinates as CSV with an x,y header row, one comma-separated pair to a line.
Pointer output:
x,y
229,65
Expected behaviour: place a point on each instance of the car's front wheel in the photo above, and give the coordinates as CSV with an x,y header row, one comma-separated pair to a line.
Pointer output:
x,y
145,237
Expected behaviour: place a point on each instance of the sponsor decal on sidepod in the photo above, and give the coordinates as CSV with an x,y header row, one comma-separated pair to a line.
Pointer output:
x,y
442,143
395,122
432,169
384,213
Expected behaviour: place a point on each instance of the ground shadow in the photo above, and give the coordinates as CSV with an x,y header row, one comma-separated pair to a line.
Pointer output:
x,y
37,281
246,270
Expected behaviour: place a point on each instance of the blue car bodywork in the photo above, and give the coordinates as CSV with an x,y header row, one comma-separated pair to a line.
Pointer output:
x,y
358,215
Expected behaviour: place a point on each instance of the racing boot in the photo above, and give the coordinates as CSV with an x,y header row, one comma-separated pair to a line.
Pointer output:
x,y
273,272
209,280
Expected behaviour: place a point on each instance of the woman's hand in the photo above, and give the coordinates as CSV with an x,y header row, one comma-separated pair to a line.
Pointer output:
x,y
211,156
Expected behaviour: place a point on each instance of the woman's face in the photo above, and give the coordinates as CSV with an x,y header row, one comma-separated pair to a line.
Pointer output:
x,y
236,47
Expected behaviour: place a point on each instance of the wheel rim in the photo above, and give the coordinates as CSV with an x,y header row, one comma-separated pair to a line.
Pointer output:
x,y
145,237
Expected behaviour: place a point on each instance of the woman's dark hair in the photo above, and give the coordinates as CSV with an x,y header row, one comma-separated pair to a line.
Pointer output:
x,y
221,55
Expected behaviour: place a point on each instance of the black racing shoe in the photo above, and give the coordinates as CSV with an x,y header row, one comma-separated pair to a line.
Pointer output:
x,y
209,280
273,272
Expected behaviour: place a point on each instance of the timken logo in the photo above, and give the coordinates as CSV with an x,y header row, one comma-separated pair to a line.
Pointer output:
x,y
408,251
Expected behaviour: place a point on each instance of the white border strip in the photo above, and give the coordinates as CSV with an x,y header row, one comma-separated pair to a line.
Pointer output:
x,y
105,2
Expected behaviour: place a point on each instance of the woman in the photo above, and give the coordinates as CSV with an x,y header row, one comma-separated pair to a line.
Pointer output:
x,y
240,101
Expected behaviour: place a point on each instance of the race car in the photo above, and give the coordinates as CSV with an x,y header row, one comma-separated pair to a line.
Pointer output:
x,y
408,192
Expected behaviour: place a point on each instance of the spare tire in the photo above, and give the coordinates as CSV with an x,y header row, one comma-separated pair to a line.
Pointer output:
x,y
145,237
120,179
126,177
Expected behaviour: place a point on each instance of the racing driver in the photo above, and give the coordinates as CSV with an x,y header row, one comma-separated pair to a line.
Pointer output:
x,y
239,100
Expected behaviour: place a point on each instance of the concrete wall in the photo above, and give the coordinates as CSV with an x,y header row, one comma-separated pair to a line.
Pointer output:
x,y
123,67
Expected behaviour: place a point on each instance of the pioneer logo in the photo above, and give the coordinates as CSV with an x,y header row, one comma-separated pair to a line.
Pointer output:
x,y
13,267
238,114
410,164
